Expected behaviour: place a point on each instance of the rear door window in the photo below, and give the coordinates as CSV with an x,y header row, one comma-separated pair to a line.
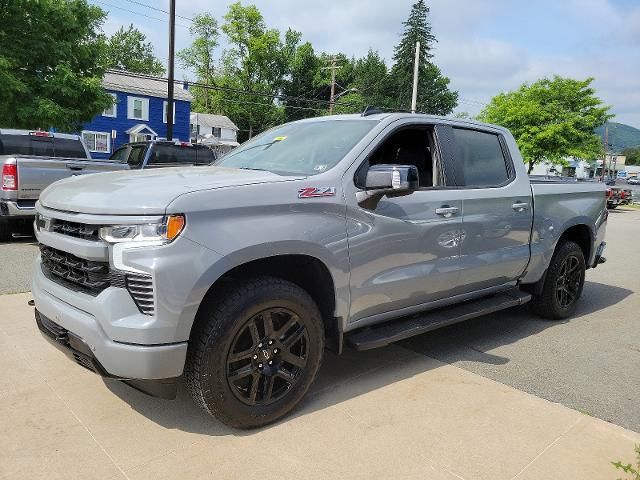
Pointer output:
x,y
479,159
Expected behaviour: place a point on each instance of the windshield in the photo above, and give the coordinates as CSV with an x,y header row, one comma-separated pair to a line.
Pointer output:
x,y
305,148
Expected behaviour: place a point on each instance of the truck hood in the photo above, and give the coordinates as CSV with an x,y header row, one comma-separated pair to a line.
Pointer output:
x,y
147,191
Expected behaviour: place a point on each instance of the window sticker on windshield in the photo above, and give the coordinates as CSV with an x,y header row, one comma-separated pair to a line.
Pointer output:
x,y
320,168
279,139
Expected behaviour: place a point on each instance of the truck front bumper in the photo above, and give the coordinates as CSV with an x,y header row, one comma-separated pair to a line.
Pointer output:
x,y
110,358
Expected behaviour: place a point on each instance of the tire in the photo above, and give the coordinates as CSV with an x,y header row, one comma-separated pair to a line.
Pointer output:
x,y
228,371
561,292
613,207
5,231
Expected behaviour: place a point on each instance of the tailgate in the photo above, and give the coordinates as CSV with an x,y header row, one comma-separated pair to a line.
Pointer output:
x,y
37,173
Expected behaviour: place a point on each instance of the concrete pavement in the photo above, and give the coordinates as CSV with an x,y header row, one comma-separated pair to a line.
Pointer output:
x,y
389,413
590,362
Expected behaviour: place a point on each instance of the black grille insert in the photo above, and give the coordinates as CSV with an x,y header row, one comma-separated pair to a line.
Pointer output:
x,y
78,230
86,275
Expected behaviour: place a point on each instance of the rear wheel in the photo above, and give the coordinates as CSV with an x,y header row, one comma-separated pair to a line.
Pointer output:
x,y
563,283
256,352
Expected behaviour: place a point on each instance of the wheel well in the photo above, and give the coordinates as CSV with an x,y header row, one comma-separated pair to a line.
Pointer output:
x,y
307,272
580,234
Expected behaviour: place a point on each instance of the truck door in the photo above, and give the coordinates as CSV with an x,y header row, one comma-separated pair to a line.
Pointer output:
x,y
496,208
402,250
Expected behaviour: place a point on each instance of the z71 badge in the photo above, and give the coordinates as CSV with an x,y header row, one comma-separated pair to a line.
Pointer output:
x,y
315,192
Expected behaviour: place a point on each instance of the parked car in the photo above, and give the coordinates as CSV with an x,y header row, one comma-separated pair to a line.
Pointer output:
x,y
614,197
633,180
610,181
337,231
31,161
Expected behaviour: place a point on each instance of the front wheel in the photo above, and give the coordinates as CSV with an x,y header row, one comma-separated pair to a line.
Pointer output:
x,y
563,284
255,352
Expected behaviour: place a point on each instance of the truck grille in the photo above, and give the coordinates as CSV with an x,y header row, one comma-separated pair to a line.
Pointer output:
x,y
140,288
73,272
78,230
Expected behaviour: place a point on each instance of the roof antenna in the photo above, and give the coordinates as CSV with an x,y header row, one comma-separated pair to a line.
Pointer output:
x,y
370,110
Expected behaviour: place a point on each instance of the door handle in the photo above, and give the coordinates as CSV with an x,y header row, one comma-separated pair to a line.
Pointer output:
x,y
446,211
520,206
74,167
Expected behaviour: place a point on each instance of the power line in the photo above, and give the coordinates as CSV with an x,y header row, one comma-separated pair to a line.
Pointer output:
x,y
137,13
158,9
248,92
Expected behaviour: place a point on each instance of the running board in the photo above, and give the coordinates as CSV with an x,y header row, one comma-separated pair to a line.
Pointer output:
x,y
396,330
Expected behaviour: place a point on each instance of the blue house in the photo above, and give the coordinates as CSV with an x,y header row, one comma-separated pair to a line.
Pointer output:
x,y
139,112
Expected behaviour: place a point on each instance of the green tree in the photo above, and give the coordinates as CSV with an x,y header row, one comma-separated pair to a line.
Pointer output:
x,y
128,49
51,64
633,155
434,95
303,70
551,119
200,57
256,61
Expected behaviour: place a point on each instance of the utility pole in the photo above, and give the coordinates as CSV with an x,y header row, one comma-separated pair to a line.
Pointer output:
x,y
333,69
416,66
170,85
606,145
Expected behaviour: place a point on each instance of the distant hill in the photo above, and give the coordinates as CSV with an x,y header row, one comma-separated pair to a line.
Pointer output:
x,y
621,136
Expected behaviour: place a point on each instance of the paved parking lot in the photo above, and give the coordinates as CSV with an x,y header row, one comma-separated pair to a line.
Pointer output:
x,y
384,414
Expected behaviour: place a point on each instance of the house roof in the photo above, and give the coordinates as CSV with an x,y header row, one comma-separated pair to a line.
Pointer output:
x,y
210,120
143,85
139,128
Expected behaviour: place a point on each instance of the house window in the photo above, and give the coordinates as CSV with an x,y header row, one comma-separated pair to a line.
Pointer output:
x,y
216,131
97,142
138,108
165,107
112,111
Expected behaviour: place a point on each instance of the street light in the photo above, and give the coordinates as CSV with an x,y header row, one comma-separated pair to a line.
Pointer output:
x,y
349,90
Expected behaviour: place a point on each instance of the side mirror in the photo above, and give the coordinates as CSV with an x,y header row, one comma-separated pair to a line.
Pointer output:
x,y
392,179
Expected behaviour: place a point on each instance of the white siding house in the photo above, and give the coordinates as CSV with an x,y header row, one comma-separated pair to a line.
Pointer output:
x,y
216,131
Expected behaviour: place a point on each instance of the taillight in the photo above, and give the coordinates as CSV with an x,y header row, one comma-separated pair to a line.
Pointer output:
x,y
10,175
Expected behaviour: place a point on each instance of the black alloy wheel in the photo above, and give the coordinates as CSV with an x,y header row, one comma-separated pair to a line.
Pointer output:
x,y
267,356
569,282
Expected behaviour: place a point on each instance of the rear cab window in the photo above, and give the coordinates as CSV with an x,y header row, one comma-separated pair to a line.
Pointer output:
x,y
479,159
41,145
163,154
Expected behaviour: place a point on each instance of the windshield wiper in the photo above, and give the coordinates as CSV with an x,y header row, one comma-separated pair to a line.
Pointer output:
x,y
256,169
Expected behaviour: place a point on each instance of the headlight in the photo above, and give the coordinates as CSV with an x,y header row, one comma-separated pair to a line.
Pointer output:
x,y
162,232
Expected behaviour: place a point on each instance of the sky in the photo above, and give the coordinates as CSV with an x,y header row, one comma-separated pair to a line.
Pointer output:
x,y
484,46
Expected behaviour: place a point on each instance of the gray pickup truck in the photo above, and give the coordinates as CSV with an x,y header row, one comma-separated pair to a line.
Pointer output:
x,y
30,161
33,160
351,230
